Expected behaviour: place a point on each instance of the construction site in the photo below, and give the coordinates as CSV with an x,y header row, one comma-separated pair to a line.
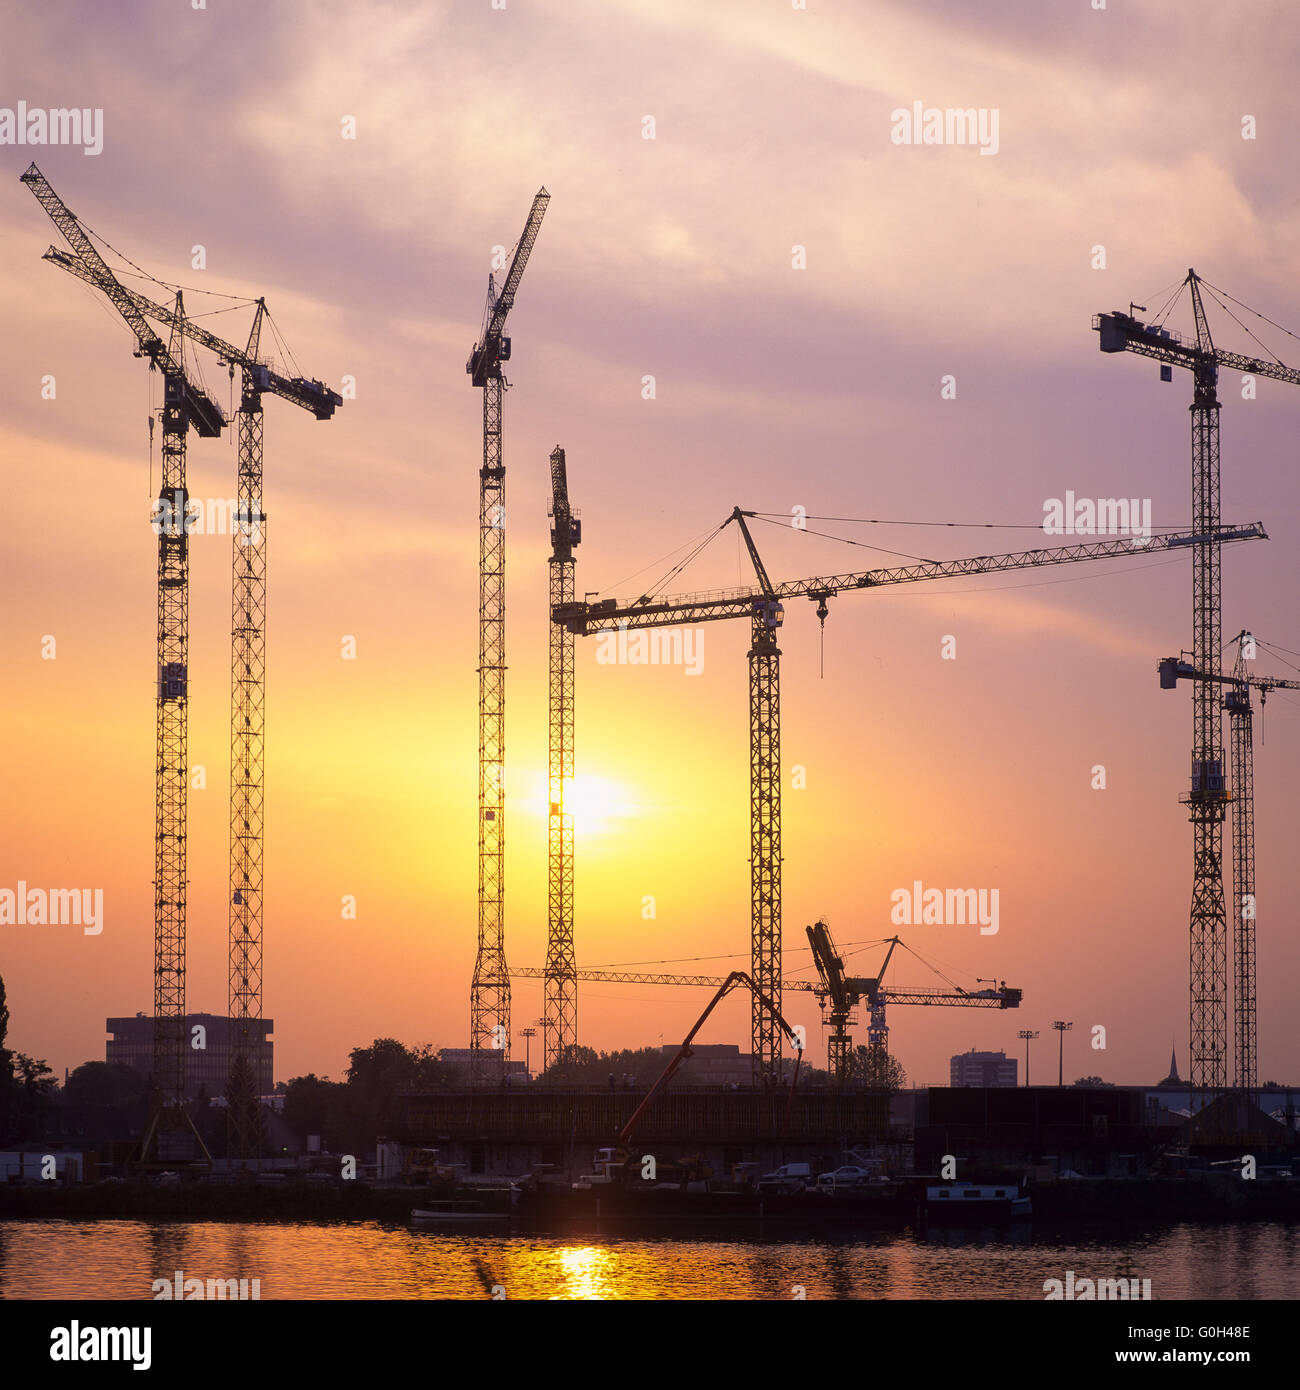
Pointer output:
x,y
504,1123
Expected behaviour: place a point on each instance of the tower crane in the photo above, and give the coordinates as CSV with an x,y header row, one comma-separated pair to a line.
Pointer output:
x,y
764,608
185,406
1238,702
561,1007
1207,798
490,989
844,993
247,673
878,996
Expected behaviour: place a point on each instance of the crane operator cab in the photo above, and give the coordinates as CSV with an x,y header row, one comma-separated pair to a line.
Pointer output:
x,y
771,613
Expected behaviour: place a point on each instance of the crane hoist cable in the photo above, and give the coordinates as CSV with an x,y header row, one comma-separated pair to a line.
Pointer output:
x,y
1268,351
618,584
1271,323
848,540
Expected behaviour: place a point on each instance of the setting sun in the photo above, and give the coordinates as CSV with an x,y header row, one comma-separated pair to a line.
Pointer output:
x,y
598,805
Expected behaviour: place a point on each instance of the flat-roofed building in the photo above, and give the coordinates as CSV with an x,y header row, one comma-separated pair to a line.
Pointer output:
x,y
206,1067
982,1069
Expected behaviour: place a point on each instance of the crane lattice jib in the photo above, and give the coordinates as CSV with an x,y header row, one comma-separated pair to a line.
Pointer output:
x,y
485,360
608,615
1003,998
560,512
1122,333
202,412
313,396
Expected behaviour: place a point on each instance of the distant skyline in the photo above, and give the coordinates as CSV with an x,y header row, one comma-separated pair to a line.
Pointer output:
x,y
781,381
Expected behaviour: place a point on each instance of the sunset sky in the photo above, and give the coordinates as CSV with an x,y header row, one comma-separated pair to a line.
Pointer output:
x,y
776,388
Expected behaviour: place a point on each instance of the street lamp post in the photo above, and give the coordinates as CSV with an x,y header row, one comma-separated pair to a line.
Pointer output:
x,y
528,1034
1027,1034
1062,1029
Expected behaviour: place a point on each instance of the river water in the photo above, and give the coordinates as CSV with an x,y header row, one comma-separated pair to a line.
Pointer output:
x,y
368,1260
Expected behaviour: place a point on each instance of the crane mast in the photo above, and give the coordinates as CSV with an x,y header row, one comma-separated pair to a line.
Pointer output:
x,y
248,668
247,756
561,990
184,406
763,607
1207,799
1238,701
1241,738
490,988
764,820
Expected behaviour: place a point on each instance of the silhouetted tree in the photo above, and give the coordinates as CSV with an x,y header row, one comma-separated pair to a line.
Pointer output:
x,y
245,1116
314,1105
33,1088
875,1068
110,1084
581,1066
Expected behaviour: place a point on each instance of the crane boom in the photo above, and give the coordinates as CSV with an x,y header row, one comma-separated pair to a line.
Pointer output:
x,y
1123,333
608,615
200,410
310,395
1001,998
492,348
737,977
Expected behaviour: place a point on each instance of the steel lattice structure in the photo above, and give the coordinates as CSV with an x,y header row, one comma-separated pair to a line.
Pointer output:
x,y
490,1002
765,839
490,988
1207,799
248,693
1238,703
171,804
184,406
247,763
1241,736
560,1015
762,606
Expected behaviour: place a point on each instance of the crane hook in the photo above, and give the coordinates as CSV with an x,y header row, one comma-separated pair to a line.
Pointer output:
x,y
822,610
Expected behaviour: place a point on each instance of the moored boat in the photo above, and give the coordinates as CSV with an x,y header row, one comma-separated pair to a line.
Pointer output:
x,y
971,1201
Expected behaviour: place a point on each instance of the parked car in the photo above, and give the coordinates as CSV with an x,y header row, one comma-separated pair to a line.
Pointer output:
x,y
838,1179
790,1177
